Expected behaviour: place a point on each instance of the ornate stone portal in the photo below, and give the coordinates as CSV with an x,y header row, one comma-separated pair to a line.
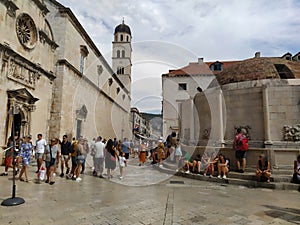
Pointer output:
x,y
21,103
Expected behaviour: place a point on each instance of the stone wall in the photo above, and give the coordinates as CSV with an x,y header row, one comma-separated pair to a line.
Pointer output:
x,y
93,96
264,107
284,106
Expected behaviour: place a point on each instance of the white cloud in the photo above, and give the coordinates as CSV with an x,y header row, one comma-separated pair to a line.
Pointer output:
x,y
215,30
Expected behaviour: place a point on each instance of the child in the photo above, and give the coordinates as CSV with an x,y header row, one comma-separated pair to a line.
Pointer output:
x,y
122,164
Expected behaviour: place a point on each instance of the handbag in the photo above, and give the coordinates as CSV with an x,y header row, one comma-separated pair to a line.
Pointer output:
x,y
42,173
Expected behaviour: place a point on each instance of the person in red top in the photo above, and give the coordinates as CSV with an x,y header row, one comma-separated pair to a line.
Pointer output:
x,y
240,144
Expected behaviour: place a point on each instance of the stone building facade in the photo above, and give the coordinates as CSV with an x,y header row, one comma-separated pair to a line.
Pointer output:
x,y
54,77
261,94
140,125
179,88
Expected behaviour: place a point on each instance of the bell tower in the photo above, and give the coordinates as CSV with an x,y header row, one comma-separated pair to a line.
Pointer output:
x,y
121,54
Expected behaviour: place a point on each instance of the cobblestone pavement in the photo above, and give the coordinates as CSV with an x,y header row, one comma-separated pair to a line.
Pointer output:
x,y
146,196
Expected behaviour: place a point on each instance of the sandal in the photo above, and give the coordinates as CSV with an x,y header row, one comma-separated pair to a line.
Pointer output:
x,y
21,179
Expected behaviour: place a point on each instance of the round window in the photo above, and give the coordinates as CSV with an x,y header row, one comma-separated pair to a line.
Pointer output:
x,y
26,31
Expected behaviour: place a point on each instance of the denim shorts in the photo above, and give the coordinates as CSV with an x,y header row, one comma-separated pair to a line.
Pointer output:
x,y
50,163
39,155
239,154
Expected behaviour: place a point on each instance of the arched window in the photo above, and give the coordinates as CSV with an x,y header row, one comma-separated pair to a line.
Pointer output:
x,y
120,70
121,37
118,53
127,38
123,53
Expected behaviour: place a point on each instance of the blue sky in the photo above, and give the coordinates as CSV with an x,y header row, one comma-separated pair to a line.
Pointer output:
x,y
170,34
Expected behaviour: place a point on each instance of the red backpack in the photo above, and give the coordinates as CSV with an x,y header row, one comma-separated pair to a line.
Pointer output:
x,y
242,143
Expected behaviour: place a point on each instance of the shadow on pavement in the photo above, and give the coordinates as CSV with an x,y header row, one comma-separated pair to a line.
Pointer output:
x,y
288,214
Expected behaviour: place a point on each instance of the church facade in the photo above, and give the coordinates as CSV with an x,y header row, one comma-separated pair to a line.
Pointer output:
x,y
54,80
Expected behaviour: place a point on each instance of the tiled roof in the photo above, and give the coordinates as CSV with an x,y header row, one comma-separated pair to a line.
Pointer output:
x,y
259,68
196,68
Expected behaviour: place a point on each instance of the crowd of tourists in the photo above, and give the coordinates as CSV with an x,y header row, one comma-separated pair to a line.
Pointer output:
x,y
68,157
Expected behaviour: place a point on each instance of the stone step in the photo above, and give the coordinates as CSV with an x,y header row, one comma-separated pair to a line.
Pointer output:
x,y
247,179
170,165
283,171
243,182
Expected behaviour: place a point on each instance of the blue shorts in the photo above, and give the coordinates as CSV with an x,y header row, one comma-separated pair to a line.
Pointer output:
x,y
50,163
239,154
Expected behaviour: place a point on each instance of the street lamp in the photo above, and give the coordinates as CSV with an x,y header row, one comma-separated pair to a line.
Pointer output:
x,y
13,201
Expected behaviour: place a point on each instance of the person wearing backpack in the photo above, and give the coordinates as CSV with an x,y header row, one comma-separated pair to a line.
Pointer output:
x,y
240,144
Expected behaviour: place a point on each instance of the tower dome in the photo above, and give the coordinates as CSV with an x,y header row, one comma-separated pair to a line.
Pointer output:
x,y
123,28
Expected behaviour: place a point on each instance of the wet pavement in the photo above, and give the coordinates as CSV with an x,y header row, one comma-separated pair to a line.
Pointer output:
x,y
146,196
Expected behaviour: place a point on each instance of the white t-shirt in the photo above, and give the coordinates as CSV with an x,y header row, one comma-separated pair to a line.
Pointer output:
x,y
122,161
40,145
99,149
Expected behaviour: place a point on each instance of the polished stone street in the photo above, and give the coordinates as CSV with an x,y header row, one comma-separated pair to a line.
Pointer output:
x,y
146,196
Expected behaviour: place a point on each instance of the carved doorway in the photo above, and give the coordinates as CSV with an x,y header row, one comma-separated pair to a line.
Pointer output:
x,y
17,121
20,106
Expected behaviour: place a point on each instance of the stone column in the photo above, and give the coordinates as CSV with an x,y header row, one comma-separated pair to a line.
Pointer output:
x,y
192,122
221,132
268,142
10,117
266,116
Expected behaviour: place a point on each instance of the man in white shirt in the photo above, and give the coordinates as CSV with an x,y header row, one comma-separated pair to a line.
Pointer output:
x,y
99,156
39,150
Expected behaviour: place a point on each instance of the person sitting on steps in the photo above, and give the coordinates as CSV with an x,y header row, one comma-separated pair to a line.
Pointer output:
x,y
263,169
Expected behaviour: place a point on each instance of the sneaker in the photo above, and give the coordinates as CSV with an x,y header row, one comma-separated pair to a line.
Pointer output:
x,y
219,176
204,174
52,182
224,177
187,171
121,178
210,176
101,176
161,166
74,178
62,175
4,174
78,179
68,170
